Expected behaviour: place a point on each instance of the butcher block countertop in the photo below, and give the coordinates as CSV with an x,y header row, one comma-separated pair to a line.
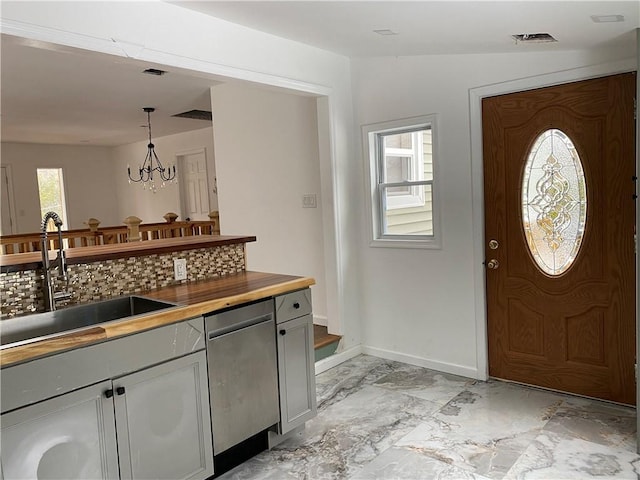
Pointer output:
x,y
33,260
193,299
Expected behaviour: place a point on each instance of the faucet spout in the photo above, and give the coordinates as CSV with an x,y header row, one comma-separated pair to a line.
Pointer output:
x,y
60,263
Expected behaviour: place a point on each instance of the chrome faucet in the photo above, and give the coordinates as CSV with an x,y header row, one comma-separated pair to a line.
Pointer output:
x,y
50,295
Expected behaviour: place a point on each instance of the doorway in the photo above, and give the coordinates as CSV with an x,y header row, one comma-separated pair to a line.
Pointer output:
x,y
8,214
559,224
194,185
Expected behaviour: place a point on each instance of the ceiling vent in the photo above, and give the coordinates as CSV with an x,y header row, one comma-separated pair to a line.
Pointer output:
x,y
385,32
154,71
607,18
533,38
196,115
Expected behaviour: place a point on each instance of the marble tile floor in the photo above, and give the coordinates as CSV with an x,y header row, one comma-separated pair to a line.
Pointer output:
x,y
379,419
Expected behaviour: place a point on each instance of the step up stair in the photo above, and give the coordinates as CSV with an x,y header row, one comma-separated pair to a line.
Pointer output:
x,y
325,344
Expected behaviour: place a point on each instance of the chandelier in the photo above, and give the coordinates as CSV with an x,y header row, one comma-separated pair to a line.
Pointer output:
x,y
146,170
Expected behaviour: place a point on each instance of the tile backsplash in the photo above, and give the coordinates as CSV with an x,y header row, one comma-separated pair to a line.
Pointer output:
x,y
21,292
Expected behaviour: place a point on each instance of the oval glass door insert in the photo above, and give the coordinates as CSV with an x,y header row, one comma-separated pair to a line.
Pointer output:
x,y
554,202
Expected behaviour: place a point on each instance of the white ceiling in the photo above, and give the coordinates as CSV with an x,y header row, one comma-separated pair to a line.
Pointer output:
x,y
431,27
60,95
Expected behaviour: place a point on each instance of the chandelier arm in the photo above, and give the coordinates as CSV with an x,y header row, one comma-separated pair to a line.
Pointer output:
x,y
132,179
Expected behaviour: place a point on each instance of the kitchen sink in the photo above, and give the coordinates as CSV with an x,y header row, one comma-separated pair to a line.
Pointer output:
x,y
30,327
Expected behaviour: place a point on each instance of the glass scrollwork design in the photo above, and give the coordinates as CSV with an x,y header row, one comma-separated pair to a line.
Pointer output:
x,y
554,202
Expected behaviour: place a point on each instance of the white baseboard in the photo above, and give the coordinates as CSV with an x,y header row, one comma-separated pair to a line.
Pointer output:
x,y
421,362
320,320
452,368
337,358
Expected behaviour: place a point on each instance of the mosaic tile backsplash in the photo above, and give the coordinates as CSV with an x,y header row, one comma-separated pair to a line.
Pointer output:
x,y
21,292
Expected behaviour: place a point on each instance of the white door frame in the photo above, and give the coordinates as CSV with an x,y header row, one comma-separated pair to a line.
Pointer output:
x,y
477,178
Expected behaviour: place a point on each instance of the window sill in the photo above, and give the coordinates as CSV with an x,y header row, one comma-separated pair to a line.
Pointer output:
x,y
432,244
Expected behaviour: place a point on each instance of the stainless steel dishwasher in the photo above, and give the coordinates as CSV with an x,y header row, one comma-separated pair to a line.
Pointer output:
x,y
243,373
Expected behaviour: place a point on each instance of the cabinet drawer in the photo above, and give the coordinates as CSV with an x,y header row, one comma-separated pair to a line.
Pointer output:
x,y
293,305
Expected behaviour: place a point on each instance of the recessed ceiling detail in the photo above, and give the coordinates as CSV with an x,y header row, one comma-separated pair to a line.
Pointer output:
x,y
533,38
196,115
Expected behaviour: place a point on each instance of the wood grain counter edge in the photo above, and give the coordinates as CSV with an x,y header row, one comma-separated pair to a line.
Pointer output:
x,y
119,328
33,260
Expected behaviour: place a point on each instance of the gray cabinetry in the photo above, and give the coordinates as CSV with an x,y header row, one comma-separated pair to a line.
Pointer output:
x,y
72,436
162,420
158,412
296,369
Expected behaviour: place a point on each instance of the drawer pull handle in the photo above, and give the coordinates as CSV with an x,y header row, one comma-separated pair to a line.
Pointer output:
x,y
283,332
109,393
120,390
296,305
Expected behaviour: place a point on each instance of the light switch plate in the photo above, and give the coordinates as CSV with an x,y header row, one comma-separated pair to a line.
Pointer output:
x,y
309,200
180,268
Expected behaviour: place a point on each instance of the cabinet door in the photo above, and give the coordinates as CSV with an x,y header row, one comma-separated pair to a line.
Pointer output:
x,y
296,372
163,422
71,436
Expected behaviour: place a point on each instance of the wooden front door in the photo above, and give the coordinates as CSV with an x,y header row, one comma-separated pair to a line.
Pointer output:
x,y
559,186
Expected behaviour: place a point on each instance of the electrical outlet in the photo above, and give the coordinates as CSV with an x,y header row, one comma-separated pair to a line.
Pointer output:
x,y
180,268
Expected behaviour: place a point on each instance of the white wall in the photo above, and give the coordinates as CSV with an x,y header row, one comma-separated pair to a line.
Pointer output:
x,y
88,178
150,207
266,146
167,34
420,304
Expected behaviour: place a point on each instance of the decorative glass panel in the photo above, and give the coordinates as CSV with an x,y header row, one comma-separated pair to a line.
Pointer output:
x,y
554,202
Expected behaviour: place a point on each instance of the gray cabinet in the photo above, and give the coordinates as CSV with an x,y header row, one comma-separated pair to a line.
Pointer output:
x,y
162,421
72,436
132,407
296,368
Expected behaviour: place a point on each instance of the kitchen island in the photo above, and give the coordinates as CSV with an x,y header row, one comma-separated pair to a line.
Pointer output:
x,y
134,397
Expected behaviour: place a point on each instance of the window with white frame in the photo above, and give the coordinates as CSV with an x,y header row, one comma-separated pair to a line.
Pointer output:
x,y
401,157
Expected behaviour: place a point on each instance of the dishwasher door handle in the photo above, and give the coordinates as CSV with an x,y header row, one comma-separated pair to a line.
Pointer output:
x,y
238,325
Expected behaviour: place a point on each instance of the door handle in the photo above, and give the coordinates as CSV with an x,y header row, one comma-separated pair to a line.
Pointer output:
x,y
493,264
108,393
120,390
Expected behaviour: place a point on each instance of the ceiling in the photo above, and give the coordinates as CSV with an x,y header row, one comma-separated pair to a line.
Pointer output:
x,y
431,27
59,95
